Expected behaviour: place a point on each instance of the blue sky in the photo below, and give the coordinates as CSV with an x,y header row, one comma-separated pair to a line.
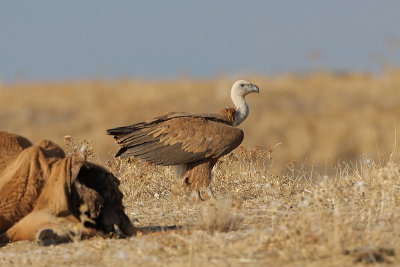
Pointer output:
x,y
59,40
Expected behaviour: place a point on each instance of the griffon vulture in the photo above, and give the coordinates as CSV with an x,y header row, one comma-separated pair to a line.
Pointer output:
x,y
191,142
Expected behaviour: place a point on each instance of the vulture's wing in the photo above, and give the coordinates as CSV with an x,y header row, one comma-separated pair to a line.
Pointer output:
x,y
177,139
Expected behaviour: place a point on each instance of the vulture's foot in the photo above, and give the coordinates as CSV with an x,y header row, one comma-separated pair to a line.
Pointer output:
x,y
211,192
199,196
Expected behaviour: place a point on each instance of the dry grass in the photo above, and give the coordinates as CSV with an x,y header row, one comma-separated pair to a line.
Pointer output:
x,y
319,119
351,216
336,204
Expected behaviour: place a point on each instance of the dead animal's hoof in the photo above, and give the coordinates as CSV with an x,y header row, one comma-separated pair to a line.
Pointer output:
x,y
46,237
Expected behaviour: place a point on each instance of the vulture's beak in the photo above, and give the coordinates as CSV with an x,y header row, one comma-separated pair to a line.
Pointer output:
x,y
254,89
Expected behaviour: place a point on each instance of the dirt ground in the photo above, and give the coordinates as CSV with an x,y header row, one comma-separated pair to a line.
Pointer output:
x,y
290,220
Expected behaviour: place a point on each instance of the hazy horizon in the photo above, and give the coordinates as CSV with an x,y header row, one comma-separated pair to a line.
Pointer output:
x,y
48,40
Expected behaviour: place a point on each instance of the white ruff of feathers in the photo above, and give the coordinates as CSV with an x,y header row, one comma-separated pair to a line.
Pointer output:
x,y
242,109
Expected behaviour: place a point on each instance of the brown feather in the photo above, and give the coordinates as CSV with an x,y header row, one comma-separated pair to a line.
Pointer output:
x,y
228,114
194,141
178,139
198,174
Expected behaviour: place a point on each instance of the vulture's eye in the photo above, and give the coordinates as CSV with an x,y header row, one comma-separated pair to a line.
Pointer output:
x,y
241,85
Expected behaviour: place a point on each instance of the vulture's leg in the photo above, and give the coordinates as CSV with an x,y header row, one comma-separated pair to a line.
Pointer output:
x,y
211,192
199,195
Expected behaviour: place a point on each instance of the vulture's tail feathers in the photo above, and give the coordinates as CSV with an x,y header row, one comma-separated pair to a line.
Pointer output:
x,y
120,152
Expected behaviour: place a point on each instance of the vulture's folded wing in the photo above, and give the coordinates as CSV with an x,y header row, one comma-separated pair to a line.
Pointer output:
x,y
178,139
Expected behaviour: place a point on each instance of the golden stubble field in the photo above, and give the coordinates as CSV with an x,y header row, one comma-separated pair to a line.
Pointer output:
x,y
327,195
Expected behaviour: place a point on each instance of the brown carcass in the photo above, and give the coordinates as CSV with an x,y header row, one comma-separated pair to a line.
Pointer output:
x,y
52,198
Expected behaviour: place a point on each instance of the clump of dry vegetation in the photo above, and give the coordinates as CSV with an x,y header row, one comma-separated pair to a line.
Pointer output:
x,y
219,216
321,186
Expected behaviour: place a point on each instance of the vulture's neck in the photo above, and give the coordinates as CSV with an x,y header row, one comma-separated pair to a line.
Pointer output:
x,y
242,109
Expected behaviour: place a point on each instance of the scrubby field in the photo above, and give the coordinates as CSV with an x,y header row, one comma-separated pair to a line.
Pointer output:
x,y
316,183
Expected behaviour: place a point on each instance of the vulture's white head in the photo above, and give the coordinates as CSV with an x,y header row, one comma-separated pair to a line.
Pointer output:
x,y
238,92
242,88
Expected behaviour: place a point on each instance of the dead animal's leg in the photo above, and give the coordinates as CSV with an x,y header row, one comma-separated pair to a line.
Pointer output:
x,y
44,227
28,227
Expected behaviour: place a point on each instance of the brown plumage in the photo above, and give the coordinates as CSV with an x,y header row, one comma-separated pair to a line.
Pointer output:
x,y
191,142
